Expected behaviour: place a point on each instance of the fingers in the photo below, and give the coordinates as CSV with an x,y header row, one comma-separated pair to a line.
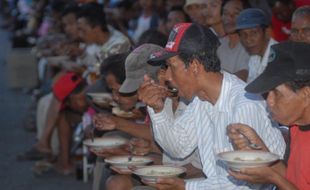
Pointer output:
x,y
140,146
120,171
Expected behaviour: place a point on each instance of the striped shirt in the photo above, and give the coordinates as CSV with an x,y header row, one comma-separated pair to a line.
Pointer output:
x,y
203,126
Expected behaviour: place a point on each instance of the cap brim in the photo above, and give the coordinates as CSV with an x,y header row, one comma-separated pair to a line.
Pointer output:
x,y
264,84
160,57
98,86
130,85
246,26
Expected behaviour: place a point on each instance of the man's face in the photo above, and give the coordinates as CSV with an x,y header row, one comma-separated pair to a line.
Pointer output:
x,y
195,12
283,11
70,26
86,32
300,29
173,18
230,12
180,77
286,106
212,12
77,102
254,40
125,102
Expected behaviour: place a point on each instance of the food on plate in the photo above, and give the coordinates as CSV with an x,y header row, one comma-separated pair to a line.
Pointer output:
x,y
121,113
240,159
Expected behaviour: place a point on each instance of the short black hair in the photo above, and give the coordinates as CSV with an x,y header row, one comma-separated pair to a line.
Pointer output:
x,y
179,9
94,15
71,8
298,84
245,4
153,36
115,64
205,53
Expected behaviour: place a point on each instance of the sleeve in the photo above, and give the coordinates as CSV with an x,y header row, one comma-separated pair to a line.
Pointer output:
x,y
221,182
176,136
255,115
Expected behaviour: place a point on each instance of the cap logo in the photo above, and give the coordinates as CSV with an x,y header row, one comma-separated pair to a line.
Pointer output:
x,y
272,55
155,54
303,72
175,36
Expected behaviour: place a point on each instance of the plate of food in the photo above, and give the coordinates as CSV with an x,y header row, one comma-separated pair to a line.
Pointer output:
x,y
121,113
150,173
101,99
101,96
123,162
236,160
101,143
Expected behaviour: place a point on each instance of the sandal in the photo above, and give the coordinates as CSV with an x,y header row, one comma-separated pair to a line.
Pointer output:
x,y
34,154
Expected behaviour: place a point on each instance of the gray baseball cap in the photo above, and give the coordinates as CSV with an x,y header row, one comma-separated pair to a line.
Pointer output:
x,y
136,67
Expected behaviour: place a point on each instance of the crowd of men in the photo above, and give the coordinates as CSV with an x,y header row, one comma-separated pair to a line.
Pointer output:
x,y
197,77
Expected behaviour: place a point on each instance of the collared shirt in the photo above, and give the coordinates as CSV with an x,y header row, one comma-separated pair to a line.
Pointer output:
x,y
194,157
203,125
257,64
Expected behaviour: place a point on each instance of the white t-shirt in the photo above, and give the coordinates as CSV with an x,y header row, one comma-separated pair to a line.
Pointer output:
x,y
257,64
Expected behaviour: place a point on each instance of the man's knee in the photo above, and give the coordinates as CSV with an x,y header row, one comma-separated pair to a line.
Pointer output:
x,y
119,182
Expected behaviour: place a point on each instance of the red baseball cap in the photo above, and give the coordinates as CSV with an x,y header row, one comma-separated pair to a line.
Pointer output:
x,y
65,85
186,38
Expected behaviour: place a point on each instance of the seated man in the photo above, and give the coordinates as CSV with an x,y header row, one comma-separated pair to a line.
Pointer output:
x,y
216,98
69,103
136,67
287,82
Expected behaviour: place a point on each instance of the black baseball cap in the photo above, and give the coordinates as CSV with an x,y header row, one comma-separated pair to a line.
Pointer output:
x,y
186,38
288,61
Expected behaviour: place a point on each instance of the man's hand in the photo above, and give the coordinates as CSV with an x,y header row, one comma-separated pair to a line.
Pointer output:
x,y
111,152
236,133
140,147
152,94
260,175
104,122
168,184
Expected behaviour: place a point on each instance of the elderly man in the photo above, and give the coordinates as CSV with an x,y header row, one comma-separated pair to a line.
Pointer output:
x,y
252,28
216,100
287,81
300,29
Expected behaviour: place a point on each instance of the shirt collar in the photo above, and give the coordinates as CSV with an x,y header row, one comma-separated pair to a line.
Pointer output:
x,y
222,104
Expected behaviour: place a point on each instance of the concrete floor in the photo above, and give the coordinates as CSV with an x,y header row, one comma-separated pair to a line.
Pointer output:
x,y
15,175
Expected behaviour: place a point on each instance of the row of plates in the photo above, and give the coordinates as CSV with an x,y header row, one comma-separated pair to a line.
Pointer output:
x,y
234,160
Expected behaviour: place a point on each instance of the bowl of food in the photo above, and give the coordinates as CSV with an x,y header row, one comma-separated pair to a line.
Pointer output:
x,y
123,162
101,99
149,174
121,113
236,160
98,144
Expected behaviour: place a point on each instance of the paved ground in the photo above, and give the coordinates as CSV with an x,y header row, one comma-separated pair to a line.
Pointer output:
x,y
16,175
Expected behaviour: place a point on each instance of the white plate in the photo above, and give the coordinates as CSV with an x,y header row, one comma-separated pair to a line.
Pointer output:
x,y
151,173
105,143
103,96
122,162
121,113
236,160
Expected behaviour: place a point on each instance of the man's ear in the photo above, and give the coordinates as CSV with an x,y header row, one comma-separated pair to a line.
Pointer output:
x,y
306,92
195,66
